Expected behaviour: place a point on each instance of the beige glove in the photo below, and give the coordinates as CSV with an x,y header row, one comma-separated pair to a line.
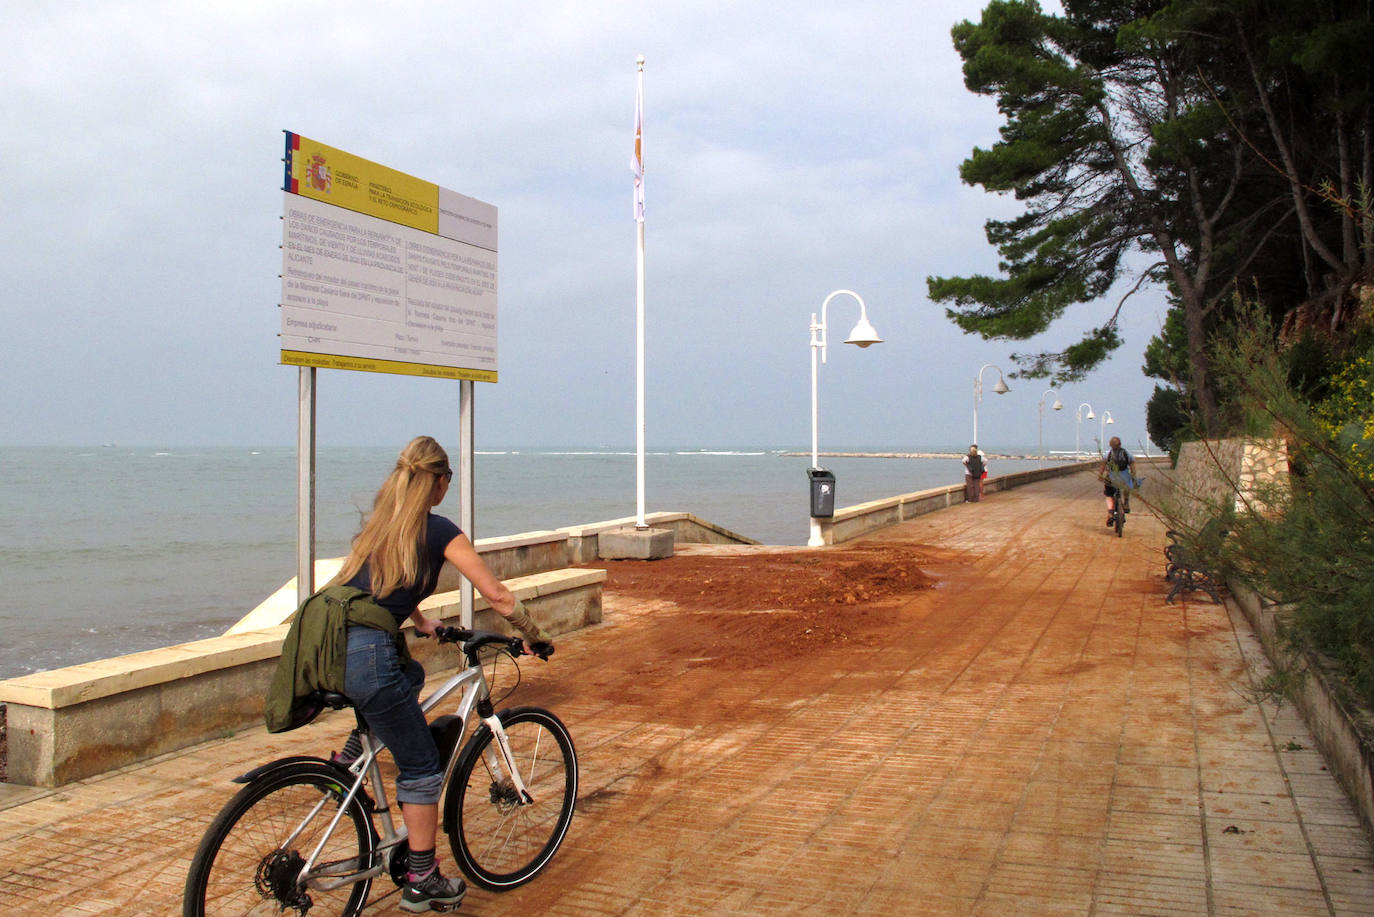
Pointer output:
x,y
520,619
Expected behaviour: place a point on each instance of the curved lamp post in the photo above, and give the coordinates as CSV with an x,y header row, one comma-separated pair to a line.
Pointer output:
x,y
1000,388
862,335
1102,430
1058,406
1078,430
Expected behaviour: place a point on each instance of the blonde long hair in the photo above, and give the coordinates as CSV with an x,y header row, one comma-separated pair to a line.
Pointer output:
x,y
392,541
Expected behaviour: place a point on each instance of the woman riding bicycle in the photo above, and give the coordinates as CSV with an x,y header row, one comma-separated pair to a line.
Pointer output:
x,y
395,562
1117,467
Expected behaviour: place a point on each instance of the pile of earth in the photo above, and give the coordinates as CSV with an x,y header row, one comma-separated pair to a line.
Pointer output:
x,y
735,604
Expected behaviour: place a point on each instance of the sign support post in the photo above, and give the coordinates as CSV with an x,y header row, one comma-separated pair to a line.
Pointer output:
x,y
305,486
466,479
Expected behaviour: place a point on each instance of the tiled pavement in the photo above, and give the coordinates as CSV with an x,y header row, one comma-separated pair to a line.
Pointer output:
x,y
1048,738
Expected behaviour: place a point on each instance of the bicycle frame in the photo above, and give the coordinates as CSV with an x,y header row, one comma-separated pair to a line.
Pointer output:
x,y
472,681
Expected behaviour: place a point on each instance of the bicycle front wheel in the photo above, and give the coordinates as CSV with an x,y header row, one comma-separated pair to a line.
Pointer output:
x,y
498,839
251,857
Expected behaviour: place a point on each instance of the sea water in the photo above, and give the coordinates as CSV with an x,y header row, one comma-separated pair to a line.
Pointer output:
x,y
110,550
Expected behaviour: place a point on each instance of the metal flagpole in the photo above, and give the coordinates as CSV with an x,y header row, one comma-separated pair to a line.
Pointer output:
x,y
640,523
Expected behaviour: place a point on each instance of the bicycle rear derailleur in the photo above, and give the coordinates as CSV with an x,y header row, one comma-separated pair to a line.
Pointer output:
x,y
276,880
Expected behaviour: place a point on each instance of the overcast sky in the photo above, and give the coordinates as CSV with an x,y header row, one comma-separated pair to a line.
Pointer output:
x,y
792,149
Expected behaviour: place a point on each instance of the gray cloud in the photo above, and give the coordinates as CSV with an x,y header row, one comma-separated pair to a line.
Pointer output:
x,y
791,150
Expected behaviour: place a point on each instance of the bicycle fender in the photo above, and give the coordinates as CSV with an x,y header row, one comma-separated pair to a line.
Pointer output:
x,y
341,773
271,766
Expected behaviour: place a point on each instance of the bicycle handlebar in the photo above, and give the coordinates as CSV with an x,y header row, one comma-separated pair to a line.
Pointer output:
x,y
473,640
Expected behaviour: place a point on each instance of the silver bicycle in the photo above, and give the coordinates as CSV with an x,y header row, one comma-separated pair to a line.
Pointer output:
x,y
309,835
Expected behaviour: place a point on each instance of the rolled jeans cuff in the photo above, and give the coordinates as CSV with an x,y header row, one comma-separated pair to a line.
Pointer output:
x,y
421,791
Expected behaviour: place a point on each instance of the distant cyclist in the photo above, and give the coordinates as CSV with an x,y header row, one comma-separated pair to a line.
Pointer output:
x,y
1117,467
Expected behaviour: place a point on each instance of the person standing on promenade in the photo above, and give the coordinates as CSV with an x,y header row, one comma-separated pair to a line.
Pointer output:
x,y
1118,465
393,565
975,469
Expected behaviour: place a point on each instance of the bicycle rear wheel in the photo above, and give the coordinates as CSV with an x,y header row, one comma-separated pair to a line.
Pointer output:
x,y
1120,519
498,840
249,858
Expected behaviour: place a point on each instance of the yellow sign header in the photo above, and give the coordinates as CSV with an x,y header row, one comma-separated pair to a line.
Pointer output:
x,y
335,177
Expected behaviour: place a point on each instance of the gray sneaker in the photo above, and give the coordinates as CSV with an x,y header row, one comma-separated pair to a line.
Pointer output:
x,y
433,892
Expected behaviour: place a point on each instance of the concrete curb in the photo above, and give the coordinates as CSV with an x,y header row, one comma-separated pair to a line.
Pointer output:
x,y
1340,726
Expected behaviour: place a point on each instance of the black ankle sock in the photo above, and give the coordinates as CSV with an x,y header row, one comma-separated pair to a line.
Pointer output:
x,y
352,748
421,863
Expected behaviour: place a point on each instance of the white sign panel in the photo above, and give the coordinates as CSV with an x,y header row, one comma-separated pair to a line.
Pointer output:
x,y
354,286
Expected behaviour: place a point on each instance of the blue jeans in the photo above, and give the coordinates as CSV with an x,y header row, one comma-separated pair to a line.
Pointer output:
x,y
388,696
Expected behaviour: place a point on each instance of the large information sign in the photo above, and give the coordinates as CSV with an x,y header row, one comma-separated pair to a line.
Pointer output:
x,y
384,272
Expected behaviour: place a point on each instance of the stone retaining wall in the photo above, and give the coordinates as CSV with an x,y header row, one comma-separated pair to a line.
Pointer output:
x,y
1219,475
1213,476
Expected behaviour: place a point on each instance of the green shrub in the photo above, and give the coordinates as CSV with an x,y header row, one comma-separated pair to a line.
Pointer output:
x,y
1309,542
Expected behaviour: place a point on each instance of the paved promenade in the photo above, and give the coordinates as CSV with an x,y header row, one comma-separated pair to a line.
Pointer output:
x,y
1038,734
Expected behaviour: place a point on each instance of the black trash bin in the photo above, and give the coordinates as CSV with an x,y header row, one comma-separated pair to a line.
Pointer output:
x,y
822,493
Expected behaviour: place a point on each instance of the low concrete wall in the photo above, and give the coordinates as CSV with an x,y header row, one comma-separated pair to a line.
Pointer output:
x,y
508,556
856,521
70,723
1343,733
584,540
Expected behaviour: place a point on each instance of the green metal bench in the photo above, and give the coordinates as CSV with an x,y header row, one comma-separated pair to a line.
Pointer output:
x,y
1186,571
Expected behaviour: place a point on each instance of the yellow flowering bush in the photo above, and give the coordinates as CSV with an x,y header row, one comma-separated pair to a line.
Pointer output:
x,y
1347,415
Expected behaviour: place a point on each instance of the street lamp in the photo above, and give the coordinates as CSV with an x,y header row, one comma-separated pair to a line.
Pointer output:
x,y
1102,429
1058,406
862,336
1078,430
1000,388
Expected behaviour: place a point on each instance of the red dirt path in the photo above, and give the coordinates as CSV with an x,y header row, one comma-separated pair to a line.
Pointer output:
x,y
784,599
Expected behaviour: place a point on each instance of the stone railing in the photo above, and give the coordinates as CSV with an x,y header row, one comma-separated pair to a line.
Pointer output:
x,y
855,521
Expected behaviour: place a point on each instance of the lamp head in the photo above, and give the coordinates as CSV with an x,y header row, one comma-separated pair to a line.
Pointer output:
x,y
1001,386
1091,415
1058,405
863,334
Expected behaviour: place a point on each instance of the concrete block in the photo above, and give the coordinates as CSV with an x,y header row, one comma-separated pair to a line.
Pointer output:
x,y
636,544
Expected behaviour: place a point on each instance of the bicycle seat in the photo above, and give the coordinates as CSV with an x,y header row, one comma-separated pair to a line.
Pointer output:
x,y
331,699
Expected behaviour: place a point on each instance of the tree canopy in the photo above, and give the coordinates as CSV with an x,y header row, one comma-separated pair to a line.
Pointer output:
x,y
1214,147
